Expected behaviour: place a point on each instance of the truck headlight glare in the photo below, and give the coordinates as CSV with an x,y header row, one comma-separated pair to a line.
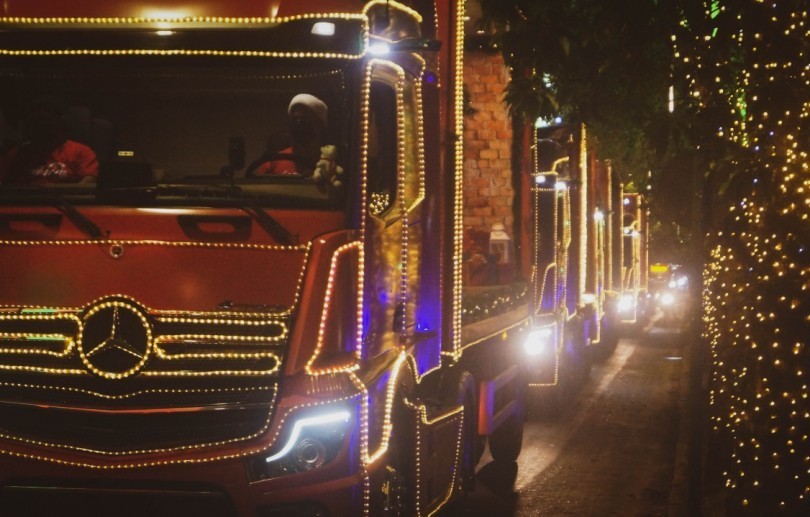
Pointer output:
x,y
539,342
626,303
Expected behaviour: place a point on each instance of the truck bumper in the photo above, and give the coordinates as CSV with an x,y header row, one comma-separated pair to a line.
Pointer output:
x,y
222,488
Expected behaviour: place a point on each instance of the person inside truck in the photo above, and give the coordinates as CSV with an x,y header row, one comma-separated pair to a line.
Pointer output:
x,y
307,119
48,156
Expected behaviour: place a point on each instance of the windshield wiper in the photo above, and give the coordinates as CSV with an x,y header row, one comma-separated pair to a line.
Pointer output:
x,y
270,225
79,220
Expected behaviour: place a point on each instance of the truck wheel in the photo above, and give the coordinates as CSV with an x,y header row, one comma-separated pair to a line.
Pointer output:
x,y
506,441
393,497
576,347
459,388
557,397
610,334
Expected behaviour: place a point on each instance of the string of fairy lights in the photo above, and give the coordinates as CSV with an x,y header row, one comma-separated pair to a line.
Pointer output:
x,y
749,58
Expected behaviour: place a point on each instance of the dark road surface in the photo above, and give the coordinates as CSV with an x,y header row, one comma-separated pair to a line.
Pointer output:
x,y
611,452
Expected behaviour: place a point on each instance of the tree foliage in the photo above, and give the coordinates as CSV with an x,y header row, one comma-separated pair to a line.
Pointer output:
x,y
608,64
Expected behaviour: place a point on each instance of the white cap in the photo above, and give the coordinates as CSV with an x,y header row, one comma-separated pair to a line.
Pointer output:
x,y
314,104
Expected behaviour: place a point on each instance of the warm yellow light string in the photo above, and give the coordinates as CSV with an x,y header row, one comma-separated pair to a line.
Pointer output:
x,y
757,274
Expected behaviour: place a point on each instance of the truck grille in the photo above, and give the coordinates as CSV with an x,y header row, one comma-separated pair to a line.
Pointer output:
x,y
116,379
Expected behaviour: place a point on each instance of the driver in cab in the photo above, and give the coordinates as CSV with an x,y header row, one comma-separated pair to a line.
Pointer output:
x,y
307,118
48,156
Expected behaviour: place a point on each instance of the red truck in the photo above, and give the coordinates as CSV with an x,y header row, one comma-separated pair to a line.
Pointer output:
x,y
635,260
241,300
574,269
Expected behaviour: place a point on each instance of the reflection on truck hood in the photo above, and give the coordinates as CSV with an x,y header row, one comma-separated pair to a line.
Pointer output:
x,y
167,259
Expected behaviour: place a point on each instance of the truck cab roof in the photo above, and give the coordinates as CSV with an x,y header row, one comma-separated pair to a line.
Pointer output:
x,y
173,9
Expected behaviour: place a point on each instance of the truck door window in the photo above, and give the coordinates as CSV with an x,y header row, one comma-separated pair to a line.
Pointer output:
x,y
382,148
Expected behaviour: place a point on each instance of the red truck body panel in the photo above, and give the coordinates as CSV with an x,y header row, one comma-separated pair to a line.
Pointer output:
x,y
185,265
168,9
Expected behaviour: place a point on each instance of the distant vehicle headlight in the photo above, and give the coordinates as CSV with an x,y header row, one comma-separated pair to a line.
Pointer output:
x,y
667,299
626,303
539,342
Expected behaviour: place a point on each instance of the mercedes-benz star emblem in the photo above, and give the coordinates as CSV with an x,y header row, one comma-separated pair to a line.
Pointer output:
x,y
116,339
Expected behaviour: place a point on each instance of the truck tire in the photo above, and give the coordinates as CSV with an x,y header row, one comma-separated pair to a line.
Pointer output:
x,y
556,398
506,441
578,350
459,388
393,498
610,335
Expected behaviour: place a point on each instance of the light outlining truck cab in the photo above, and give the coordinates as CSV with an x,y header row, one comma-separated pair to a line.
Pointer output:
x,y
191,331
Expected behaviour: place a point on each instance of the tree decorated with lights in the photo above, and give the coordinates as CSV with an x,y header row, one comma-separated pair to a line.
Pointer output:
x,y
745,68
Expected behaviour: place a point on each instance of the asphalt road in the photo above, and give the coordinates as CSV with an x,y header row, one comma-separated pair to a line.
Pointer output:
x,y
617,449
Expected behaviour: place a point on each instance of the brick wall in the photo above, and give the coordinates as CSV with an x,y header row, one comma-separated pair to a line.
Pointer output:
x,y
488,189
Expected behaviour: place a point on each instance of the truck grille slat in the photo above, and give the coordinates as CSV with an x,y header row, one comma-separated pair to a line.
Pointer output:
x,y
188,382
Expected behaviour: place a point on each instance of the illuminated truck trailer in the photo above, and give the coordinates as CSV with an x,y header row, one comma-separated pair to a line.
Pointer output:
x,y
230,243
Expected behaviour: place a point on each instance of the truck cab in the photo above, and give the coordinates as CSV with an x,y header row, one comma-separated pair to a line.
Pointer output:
x,y
183,318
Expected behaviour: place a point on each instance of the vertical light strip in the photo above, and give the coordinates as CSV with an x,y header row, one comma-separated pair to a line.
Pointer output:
x,y
458,199
401,202
420,124
536,296
583,212
610,230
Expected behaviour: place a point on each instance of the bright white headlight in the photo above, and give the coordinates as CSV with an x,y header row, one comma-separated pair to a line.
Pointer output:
x,y
626,303
539,341
667,299
379,49
315,421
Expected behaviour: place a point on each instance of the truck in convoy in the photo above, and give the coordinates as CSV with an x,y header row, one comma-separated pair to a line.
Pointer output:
x,y
634,260
198,314
575,228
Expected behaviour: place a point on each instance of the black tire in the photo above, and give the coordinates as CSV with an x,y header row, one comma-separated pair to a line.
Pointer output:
x,y
458,387
578,352
394,498
609,338
573,368
506,442
557,398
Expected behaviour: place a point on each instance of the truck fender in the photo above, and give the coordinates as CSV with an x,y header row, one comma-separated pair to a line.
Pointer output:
x,y
392,491
455,387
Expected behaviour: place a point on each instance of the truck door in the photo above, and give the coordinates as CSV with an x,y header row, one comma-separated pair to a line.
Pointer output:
x,y
394,202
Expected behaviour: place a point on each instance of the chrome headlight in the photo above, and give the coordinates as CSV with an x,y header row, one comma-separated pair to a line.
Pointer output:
x,y
314,440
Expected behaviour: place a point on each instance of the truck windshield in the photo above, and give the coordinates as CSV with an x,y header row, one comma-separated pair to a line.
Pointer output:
x,y
158,130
